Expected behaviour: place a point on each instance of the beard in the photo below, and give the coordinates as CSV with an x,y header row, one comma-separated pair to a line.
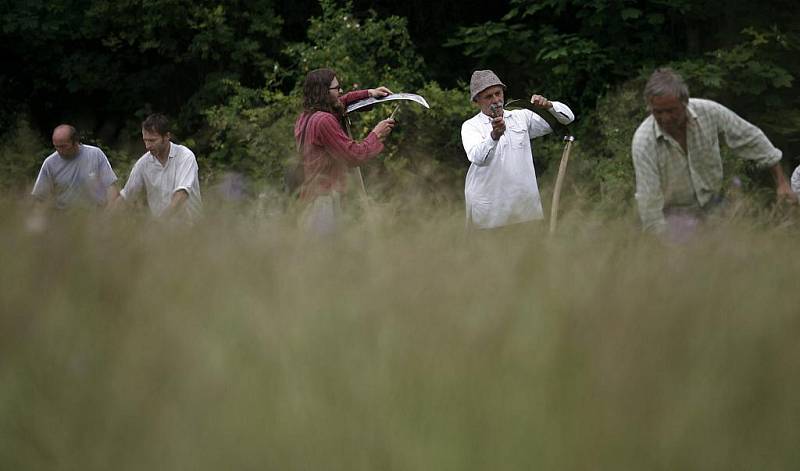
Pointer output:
x,y
337,107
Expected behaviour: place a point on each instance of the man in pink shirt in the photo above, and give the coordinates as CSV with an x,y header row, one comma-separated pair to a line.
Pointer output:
x,y
327,151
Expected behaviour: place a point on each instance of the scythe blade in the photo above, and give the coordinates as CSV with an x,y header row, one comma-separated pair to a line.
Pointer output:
x,y
368,102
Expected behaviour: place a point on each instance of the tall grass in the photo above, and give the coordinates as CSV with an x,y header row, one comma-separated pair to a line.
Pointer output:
x,y
402,344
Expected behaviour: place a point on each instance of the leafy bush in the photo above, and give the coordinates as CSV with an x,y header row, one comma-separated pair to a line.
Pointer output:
x,y
754,78
252,133
365,52
602,163
21,154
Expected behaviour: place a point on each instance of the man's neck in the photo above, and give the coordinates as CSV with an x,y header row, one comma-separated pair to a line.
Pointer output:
x,y
679,134
164,155
73,156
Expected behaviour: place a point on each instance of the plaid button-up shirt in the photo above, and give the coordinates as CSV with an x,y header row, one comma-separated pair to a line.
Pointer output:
x,y
666,176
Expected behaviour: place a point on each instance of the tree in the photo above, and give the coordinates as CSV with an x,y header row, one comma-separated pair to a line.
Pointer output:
x,y
111,60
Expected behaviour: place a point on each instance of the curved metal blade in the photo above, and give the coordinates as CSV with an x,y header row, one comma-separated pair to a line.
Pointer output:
x,y
358,105
559,129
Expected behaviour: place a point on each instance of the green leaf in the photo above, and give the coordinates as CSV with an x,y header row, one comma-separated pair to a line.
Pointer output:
x,y
630,13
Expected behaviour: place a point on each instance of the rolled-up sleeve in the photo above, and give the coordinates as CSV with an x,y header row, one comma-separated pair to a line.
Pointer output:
x,y
562,113
186,174
745,139
538,126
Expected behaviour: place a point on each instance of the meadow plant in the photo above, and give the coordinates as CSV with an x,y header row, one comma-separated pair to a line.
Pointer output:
x,y
403,343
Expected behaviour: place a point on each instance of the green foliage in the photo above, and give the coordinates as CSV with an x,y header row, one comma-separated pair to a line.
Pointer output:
x,y
755,79
365,52
252,133
21,154
137,56
575,51
226,72
602,158
425,148
401,345
570,49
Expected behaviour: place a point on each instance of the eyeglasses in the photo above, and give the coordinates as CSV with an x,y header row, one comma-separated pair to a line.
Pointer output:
x,y
338,87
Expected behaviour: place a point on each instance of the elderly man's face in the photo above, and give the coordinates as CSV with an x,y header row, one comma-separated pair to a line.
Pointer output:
x,y
64,145
491,96
669,112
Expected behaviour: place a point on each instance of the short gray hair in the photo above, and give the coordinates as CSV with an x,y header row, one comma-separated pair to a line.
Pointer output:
x,y
665,81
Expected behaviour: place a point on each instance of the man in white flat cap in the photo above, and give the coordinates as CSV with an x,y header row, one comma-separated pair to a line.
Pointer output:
x,y
501,186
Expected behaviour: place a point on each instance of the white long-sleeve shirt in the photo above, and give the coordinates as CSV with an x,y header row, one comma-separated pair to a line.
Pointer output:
x,y
501,185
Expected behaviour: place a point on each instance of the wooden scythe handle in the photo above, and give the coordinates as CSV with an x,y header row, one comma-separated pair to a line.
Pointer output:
x,y
562,170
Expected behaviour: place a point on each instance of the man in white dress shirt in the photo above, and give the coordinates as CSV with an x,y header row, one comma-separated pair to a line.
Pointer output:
x,y
167,173
501,186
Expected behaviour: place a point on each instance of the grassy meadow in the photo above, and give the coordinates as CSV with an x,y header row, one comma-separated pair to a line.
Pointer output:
x,y
404,344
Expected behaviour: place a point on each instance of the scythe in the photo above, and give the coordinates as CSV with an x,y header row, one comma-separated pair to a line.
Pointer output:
x,y
367,104
560,130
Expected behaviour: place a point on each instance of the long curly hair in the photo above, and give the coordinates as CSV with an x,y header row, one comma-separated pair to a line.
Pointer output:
x,y
316,93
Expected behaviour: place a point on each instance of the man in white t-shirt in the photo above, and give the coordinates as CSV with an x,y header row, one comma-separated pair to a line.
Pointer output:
x,y
167,173
501,186
75,175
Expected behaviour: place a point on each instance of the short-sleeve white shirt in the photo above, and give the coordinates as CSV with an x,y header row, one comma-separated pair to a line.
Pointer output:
x,y
160,182
501,186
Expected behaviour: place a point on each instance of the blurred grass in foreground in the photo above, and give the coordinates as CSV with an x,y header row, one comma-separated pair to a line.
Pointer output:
x,y
403,345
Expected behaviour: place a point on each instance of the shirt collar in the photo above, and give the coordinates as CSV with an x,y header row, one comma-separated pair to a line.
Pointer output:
x,y
172,152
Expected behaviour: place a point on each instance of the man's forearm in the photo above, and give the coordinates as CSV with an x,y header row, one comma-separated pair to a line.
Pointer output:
x,y
112,193
178,200
777,175
782,188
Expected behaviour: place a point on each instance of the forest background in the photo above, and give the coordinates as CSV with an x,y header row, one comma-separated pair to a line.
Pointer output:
x,y
230,73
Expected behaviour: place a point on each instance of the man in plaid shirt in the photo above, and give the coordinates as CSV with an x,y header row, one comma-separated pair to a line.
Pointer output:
x,y
676,152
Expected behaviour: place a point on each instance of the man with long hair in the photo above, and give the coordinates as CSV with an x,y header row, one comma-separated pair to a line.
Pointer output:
x,y
327,151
